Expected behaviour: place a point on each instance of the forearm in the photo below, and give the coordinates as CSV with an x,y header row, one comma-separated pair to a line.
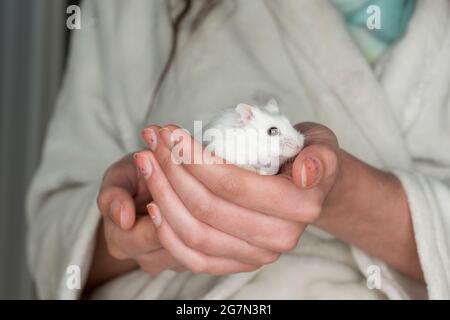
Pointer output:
x,y
368,208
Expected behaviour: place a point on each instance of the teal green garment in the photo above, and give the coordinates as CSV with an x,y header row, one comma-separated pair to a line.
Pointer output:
x,y
394,16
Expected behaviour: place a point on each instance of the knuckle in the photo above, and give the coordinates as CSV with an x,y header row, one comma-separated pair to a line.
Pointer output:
x,y
308,213
251,268
270,258
332,138
312,213
241,268
150,268
153,271
109,171
113,169
266,258
105,196
165,163
200,266
101,199
204,210
148,237
116,253
179,268
197,240
288,242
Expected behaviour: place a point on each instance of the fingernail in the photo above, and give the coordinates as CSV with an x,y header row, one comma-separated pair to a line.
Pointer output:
x,y
310,172
126,220
150,138
144,165
154,214
166,137
115,211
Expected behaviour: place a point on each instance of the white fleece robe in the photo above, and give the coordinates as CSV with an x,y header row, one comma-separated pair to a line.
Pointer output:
x,y
299,52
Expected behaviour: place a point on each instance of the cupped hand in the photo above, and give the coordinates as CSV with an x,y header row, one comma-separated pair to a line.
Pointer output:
x,y
218,218
129,233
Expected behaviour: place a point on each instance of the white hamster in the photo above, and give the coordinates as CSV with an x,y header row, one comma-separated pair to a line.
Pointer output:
x,y
257,138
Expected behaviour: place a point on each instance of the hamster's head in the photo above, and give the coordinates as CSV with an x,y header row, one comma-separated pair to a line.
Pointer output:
x,y
273,126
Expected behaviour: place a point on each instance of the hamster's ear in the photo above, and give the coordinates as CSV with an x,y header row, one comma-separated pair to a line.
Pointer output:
x,y
272,106
245,111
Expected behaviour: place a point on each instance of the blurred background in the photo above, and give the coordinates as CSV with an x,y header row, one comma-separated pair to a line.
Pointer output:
x,y
33,46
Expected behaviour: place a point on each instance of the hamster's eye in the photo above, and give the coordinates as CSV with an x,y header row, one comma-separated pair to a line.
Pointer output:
x,y
273,131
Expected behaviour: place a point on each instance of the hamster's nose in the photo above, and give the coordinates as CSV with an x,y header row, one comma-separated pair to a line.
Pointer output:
x,y
294,145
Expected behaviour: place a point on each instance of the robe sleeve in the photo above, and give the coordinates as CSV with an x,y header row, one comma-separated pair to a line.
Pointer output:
x,y
429,202
81,142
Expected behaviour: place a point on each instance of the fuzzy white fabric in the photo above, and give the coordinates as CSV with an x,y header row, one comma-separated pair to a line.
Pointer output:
x,y
296,51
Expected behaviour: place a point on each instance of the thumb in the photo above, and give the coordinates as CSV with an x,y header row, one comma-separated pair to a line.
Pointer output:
x,y
117,204
316,165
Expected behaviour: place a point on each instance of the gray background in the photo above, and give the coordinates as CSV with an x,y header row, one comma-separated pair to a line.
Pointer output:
x,y
33,46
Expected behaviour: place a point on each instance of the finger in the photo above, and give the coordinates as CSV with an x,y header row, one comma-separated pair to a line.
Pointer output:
x,y
125,244
191,231
278,197
195,261
260,230
316,166
157,261
315,133
117,203
317,163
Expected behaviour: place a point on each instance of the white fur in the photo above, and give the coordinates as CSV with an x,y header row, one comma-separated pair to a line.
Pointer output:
x,y
239,135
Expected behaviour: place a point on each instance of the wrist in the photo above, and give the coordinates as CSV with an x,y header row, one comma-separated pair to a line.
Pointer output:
x,y
359,188
368,208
